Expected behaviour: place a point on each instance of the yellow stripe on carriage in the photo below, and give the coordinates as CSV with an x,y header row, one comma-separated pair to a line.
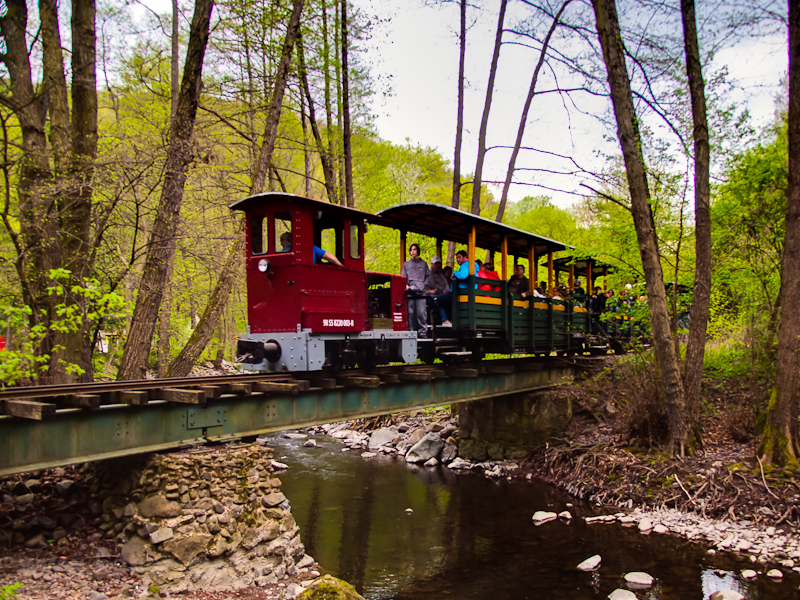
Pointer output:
x,y
559,307
540,305
578,309
521,303
482,300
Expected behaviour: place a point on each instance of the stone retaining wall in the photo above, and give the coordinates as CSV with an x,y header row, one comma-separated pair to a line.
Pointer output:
x,y
211,519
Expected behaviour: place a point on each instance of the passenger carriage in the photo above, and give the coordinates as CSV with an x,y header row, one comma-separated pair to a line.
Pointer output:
x,y
488,321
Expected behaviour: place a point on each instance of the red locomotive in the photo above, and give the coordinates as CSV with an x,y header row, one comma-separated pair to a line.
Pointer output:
x,y
305,312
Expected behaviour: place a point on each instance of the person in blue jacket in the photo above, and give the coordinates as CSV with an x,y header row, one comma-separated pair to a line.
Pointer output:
x,y
320,254
462,272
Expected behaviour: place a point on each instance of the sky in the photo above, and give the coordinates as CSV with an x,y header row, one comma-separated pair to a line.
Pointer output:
x,y
416,49
413,54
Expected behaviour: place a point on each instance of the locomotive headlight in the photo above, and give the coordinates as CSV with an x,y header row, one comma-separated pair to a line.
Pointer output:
x,y
263,265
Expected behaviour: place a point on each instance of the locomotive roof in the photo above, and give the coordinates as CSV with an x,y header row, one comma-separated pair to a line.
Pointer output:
x,y
305,203
452,224
581,264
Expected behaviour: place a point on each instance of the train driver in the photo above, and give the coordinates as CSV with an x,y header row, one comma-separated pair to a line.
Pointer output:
x,y
320,255
286,242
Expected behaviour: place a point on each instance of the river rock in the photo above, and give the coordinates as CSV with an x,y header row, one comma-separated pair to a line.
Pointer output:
x,y
447,431
774,574
460,463
749,574
542,516
381,437
565,515
311,444
590,564
330,588
368,455
622,595
449,454
660,529
726,595
638,579
64,486
295,436
645,525
431,463
428,447
278,466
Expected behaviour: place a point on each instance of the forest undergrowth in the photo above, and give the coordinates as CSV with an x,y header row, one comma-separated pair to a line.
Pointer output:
x,y
613,451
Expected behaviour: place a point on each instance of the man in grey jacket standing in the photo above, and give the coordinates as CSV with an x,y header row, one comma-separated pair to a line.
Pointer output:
x,y
416,272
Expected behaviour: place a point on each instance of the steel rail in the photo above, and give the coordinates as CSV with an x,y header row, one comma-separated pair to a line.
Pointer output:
x,y
54,391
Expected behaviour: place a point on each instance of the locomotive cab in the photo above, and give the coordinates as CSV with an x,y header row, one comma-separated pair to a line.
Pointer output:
x,y
307,300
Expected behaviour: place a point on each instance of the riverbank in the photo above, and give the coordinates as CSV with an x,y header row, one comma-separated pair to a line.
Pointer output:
x,y
719,497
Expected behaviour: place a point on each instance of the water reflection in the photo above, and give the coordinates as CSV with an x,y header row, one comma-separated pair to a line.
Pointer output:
x,y
469,537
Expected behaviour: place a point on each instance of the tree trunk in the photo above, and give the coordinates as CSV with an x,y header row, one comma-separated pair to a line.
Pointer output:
x,y
165,228
455,200
306,151
38,243
175,58
165,324
76,212
55,85
780,445
324,157
274,115
695,347
524,118
202,334
630,141
338,79
331,130
348,151
487,105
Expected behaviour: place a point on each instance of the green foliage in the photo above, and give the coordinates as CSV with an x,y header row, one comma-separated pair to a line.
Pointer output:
x,y
728,358
9,592
23,359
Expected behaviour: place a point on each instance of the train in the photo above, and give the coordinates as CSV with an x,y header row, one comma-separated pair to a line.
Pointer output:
x,y
312,305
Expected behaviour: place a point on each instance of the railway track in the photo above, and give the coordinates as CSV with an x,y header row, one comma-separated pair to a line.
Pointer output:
x,y
42,402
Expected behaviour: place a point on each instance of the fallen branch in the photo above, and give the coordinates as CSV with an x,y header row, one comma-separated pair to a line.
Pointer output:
x,y
764,479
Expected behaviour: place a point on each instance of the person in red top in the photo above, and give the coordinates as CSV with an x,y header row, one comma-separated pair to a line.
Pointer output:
x,y
487,272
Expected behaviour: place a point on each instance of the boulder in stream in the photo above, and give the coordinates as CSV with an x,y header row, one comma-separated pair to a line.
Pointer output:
x,y
382,436
590,564
726,595
330,588
637,579
427,448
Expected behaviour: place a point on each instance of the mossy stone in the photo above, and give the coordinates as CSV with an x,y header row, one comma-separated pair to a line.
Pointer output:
x,y
330,588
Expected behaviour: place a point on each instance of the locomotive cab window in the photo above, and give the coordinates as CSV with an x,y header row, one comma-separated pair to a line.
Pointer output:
x,y
329,232
355,240
330,240
259,235
283,231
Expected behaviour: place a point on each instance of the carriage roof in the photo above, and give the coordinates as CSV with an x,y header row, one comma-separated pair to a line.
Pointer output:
x,y
580,265
454,225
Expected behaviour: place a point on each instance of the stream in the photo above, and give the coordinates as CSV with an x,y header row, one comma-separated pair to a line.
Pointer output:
x,y
472,537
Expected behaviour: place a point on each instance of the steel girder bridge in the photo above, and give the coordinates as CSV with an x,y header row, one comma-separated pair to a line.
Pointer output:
x,y
50,426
